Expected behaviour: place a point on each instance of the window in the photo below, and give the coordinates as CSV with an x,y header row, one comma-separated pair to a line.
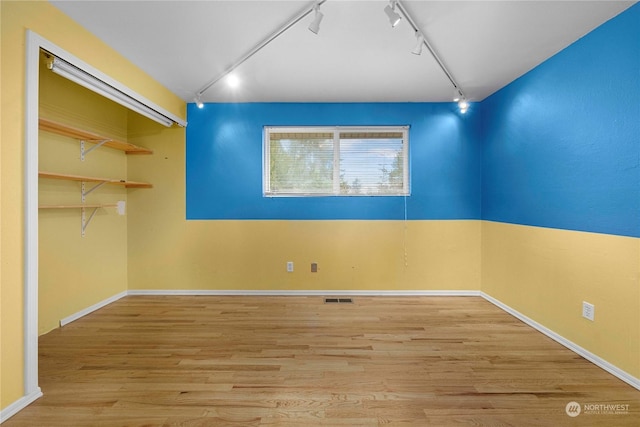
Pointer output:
x,y
339,161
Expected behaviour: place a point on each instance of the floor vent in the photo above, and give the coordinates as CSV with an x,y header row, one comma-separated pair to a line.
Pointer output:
x,y
338,300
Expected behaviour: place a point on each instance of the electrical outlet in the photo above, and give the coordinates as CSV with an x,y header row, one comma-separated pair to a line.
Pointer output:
x,y
290,266
588,310
120,207
314,267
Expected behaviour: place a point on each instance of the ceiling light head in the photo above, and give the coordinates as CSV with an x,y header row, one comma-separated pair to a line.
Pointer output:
x,y
394,17
314,27
419,43
463,104
198,101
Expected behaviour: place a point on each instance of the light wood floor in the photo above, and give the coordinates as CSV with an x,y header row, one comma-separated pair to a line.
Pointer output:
x,y
294,361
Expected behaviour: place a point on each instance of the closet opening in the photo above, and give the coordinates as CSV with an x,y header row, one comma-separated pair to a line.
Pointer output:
x,y
76,179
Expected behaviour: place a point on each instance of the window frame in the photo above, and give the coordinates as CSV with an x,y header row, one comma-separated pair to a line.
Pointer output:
x,y
336,130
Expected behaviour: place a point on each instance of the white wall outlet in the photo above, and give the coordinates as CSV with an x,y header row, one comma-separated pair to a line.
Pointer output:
x,y
290,266
588,310
120,207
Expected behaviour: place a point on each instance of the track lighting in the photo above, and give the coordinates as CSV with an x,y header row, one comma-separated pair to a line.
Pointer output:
x,y
459,97
419,43
394,17
463,104
199,103
257,48
314,27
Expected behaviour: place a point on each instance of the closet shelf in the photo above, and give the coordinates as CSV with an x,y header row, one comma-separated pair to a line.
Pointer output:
x,y
112,205
86,136
84,220
67,177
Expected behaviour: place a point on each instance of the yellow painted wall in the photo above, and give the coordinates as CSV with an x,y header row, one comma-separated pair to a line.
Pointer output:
x,y
545,274
351,255
76,272
41,17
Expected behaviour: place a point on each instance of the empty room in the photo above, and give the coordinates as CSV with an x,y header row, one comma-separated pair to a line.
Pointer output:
x,y
320,213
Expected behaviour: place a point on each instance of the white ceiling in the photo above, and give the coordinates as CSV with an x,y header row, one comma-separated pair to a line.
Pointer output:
x,y
355,57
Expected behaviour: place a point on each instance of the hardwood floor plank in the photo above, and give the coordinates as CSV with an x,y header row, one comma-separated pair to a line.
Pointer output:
x,y
295,361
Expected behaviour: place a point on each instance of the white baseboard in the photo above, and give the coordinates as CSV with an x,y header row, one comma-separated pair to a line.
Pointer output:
x,y
469,293
19,405
598,361
92,308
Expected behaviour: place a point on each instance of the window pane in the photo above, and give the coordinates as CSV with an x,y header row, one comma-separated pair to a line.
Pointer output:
x,y
371,163
301,163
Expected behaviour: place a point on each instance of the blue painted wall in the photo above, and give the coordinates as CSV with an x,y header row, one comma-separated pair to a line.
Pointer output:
x,y
224,161
561,145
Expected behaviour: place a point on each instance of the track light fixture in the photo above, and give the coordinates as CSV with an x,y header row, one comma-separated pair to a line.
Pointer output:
x,y
198,101
314,27
459,97
257,48
463,104
390,10
419,43
421,40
